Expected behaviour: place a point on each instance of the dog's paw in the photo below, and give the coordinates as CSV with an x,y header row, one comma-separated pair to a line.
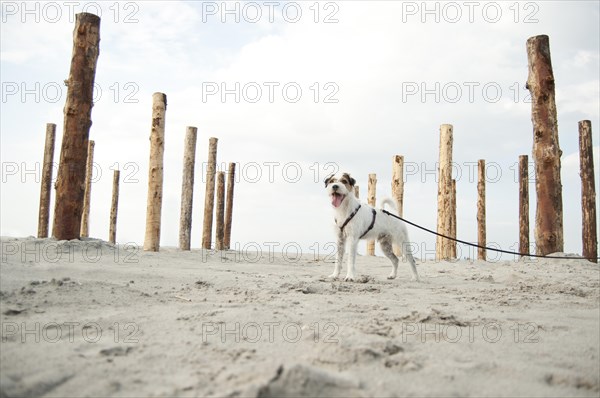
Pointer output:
x,y
349,278
392,276
333,276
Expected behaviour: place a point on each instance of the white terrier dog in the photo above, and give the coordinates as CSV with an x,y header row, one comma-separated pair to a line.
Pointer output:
x,y
355,221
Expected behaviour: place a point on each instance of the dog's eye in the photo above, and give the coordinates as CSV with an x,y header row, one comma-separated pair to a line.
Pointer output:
x,y
344,181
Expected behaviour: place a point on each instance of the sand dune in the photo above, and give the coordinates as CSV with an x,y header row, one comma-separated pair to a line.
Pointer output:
x,y
91,319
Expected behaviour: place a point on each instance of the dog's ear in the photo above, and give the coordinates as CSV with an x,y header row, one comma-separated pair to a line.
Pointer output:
x,y
351,181
328,179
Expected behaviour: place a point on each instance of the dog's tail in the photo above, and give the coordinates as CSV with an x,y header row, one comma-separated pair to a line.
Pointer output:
x,y
390,203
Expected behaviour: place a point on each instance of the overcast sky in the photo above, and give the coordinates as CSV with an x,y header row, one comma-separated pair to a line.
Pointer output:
x,y
294,91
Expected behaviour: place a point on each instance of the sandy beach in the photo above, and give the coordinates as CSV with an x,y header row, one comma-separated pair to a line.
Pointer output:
x,y
84,318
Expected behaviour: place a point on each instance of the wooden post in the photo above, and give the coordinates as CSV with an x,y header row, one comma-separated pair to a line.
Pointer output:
x,y
229,206
209,197
46,188
371,199
523,204
452,243
70,180
357,192
546,149
187,188
155,173
588,192
87,195
220,212
481,232
398,182
114,205
398,189
442,247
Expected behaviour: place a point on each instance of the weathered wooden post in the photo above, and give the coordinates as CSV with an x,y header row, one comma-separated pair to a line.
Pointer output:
x,y
209,197
357,192
452,243
442,247
114,206
220,211
588,192
398,188
546,149
87,195
155,173
481,233
524,204
372,200
70,180
398,182
46,188
229,206
187,188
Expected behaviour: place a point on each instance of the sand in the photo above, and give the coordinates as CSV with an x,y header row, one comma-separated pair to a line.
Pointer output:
x,y
91,319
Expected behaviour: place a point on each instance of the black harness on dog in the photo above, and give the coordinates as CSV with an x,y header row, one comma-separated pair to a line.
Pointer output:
x,y
351,216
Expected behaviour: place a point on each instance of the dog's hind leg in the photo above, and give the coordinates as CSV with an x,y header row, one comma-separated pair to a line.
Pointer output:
x,y
385,242
341,246
411,261
407,253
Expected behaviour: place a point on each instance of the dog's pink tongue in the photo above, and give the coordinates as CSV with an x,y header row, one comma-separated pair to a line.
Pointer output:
x,y
337,200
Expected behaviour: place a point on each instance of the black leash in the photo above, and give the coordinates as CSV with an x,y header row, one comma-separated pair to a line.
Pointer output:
x,y
485,247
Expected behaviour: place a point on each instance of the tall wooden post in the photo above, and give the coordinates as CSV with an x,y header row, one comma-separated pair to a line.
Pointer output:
x,y
398,188
588,192
546,149
155,173
209,197
87,195
70,180
452,244
187,188
398,182
372,200
524,204
220,211
357,191
114,206
46,188
229,206
481,233
442,247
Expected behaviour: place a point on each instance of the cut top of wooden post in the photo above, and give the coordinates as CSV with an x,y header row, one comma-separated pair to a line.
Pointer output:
x,y
398,182
88,17
372,199
538,52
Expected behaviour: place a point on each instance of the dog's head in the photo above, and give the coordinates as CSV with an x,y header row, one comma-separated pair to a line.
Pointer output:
x,y
339,187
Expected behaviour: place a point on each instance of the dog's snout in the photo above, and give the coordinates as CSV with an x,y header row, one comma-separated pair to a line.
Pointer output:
x,y
335,187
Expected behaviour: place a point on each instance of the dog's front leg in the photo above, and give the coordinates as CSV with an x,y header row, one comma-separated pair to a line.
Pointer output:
x,y
341,245
352,247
